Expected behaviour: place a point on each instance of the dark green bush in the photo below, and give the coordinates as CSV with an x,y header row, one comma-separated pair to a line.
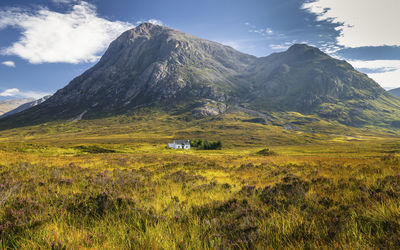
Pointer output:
x,y
266,152
205,145
94,149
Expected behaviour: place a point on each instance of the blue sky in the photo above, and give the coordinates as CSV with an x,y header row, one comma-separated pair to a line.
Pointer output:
x,y
44,44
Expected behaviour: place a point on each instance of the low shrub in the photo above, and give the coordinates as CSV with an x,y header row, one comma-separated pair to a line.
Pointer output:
x,y
205,145
94,149
266,152
21,214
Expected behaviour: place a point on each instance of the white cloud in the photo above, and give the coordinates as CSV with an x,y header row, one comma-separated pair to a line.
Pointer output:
x,y
155,21
266,31
9,92
279,46
364,23
250,25
283,46
73,37
14,92
261,31
9,64
234,44
361,22
64,1
330,48
388,71
152,21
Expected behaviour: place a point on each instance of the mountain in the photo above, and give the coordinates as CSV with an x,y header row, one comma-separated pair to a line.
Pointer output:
x,y
8,105
304,79
25,106
153,66
395,92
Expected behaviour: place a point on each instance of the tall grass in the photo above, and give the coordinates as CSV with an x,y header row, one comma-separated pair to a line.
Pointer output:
x,y
198,200
107,184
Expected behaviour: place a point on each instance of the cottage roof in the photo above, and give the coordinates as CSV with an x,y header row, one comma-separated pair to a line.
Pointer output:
x,y
185,142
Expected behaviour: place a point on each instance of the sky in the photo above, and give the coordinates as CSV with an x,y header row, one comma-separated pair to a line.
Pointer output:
x,y
44,44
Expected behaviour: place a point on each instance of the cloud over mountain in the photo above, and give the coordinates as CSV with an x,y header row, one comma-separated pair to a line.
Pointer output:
x,y
76,36
365,25
14,92
385,72
360,22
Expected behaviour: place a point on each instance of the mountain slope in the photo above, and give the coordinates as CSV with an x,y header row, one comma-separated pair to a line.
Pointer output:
x,y
306,80
8,105
304,77
25,106
158,67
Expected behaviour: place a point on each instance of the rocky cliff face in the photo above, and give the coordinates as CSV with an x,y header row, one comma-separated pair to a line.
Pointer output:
x,y
303,77
155,66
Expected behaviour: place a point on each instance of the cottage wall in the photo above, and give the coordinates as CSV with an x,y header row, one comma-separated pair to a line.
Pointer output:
x,y
179,145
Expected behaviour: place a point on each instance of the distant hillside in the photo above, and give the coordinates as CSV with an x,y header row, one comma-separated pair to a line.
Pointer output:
x,y
155,67
8,105
25,106
395,92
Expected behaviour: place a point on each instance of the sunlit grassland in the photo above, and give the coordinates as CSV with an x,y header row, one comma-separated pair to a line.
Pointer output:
x,y
111,183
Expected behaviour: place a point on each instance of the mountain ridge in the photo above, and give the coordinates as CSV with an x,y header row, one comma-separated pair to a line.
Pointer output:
x,y
25,106
8,105
153,65
395,92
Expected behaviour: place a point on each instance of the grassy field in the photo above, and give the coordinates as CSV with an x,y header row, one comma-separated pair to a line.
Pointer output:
x,y
112,184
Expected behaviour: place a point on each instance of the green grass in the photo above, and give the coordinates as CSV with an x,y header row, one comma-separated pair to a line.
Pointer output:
x,y
111,184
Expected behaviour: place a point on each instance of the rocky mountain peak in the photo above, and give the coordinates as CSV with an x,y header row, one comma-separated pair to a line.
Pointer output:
x,y
147,26
156,66
304,51
147,30
301,47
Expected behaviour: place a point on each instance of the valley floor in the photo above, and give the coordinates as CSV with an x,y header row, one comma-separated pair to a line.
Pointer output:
x,y
124,192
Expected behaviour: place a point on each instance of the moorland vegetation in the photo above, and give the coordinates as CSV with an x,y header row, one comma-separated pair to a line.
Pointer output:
x,y
110,183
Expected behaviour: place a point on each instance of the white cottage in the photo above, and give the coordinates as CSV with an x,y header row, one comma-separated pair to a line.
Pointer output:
x,y
179,144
